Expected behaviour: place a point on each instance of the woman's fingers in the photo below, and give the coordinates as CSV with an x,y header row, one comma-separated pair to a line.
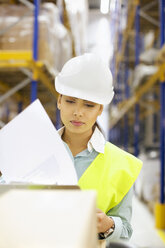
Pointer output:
x,y
98,210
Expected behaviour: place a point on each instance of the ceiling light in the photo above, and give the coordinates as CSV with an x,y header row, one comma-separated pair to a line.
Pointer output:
x,y
104,6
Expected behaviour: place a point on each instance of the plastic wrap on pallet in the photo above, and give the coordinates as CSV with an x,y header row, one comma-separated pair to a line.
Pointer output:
x,y
141,73
54,40
148,39
147,185
62,42
78,13
149,56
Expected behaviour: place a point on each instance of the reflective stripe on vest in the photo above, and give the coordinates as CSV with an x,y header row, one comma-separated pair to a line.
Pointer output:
x,y
111,174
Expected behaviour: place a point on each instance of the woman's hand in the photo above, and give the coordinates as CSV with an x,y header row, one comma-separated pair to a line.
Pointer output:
x,y
104,223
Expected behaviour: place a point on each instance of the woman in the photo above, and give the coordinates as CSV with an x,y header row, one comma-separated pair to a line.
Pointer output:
x,y
84,86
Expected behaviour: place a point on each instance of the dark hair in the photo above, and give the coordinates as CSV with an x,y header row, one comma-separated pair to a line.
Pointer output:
x,y
98,126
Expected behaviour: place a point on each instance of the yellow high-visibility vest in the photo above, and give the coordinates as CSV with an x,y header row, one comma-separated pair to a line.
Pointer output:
x,y
111,174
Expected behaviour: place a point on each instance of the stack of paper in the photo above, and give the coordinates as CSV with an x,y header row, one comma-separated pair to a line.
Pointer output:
x,y
32,151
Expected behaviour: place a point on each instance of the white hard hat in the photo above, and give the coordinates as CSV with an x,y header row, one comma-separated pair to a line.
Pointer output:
x,y
86,77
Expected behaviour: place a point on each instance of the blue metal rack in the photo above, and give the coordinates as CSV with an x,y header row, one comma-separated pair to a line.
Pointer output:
x,y
35,47
137,124
127,95
160,207
162,104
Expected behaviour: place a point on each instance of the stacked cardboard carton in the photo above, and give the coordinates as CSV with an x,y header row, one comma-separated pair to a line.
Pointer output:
x,y
54,40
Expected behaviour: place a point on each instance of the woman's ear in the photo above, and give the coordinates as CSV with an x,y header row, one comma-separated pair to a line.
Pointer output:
x,y
101,109
59,102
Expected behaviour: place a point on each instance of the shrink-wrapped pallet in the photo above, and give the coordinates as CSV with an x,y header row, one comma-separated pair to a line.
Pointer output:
x,y
149,56
78,14
19,37
53,43
61,39
141,74
147,186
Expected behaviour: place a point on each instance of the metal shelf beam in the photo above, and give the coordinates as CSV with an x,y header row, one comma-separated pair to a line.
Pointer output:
x,y
18,97
13,55
13,90
128,104
13,59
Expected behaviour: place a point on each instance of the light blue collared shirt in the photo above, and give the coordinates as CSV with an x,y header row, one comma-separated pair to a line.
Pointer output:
x,y
121,213
2,181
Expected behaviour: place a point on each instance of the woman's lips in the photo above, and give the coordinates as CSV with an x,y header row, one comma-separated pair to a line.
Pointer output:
x,y
77,123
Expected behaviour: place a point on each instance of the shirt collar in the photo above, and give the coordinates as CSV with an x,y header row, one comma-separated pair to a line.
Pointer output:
x,y
96,142
60,131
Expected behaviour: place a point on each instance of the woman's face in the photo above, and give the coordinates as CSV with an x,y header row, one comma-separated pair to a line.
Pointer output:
x,y
77,115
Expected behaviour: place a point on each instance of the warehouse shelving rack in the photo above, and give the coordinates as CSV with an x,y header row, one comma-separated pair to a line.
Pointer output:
x,y
26,62
131,104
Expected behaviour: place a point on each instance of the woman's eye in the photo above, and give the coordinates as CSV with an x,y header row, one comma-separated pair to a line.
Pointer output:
x,y
89,105
69,101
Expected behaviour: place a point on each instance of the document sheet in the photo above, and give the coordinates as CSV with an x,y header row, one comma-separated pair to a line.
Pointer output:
x,y
32,151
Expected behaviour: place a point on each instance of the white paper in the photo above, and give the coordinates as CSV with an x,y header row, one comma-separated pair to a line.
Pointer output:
x,y
31,150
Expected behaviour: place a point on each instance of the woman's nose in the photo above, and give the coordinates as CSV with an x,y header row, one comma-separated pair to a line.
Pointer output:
x,y
77,112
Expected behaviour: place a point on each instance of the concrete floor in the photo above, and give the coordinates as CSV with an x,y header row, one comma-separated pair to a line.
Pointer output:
x,y
145,235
